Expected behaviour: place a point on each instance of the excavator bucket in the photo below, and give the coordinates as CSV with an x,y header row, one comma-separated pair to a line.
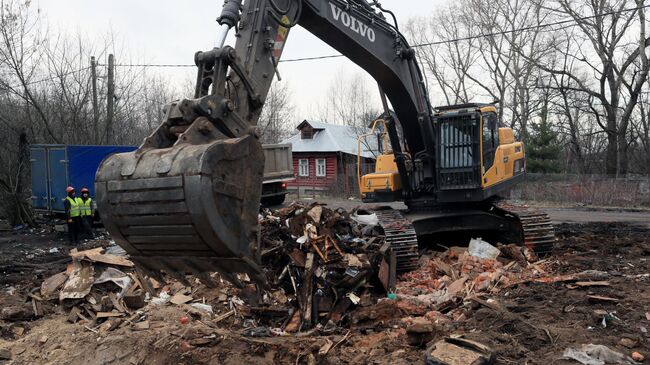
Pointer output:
x,y
187,208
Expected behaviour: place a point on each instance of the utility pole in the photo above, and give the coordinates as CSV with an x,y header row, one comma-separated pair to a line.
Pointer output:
x,y
110,99
93,76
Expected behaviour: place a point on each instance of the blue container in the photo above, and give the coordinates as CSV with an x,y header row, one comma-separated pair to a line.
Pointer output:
x,y
55,167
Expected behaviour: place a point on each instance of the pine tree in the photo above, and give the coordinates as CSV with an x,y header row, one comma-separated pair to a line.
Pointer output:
x,y
543,148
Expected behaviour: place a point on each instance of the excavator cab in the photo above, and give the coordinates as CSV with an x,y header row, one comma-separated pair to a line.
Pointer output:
x,y
475,158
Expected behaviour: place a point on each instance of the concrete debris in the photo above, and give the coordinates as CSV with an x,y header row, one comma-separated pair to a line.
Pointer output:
x,y
420,332
628,342
456,351
5,354
483,250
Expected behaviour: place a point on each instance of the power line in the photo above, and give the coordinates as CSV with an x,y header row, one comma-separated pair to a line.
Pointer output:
x,y
51,78
311,58
533,27
485,35
150,65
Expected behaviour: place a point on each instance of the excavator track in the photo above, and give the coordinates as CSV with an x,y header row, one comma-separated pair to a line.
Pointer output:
x,y
400,233
537,229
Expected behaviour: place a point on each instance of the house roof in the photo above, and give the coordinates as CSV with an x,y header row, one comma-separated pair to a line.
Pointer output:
x,y
328,138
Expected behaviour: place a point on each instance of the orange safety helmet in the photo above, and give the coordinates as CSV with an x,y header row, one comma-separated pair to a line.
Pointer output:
x,y
85,190
69,189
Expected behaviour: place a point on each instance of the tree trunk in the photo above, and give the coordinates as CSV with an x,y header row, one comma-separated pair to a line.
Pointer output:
x,y
622,154
611,159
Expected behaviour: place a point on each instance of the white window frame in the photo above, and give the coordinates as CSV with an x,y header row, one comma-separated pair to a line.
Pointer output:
x,y
321,163
303,167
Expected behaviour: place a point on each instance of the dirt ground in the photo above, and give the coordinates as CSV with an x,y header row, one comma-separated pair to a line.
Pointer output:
x,y
533,323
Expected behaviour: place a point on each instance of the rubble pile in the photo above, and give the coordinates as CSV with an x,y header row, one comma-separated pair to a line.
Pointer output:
x,y
323,261
318,262
448,279
333,292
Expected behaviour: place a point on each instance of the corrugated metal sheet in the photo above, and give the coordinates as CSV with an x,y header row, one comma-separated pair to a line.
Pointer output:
x,y
40,192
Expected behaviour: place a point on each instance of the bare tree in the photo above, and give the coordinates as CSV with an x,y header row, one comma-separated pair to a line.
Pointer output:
x,y
278,113
606,47
349,102
46,97
448,62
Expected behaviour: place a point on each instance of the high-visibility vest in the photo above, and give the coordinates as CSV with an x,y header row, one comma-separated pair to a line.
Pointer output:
x,y
75,210
85,207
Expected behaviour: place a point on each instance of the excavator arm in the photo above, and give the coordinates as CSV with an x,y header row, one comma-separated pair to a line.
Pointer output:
x,y
186,201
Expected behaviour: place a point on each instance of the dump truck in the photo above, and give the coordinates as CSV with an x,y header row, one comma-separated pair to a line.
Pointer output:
x,y
278,171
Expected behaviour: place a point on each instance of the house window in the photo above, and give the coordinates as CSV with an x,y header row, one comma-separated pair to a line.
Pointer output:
x,y
320,167
307,133
303,167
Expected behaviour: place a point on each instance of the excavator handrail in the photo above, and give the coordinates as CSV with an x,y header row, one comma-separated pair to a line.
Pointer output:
x,y
385,142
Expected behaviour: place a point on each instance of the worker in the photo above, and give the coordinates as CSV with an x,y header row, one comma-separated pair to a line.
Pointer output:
x,y
72,214
87,213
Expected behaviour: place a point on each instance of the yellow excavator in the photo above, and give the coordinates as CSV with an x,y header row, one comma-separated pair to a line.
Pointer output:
x,y
187,200
499,158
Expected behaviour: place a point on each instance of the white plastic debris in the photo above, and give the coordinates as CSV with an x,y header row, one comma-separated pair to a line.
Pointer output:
x,y
54,250
162,298
597,355
482,249
366,219
116,276
237,301
203,307
353,298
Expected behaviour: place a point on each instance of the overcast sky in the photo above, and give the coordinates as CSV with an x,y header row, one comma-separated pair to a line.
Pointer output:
x,y
171,31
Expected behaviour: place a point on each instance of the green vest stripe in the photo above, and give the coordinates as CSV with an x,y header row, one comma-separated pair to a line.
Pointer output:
x,y
75,211
85,207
